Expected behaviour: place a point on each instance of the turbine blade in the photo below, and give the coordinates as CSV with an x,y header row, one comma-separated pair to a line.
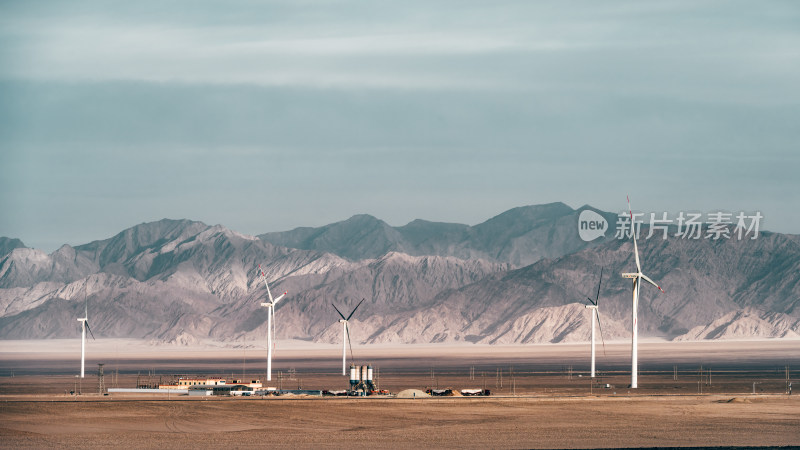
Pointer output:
x,y
599,282
269,294
89,329
601,333
264,276
633,233
347,327
354,309
337,310
646,278
279,297
591,301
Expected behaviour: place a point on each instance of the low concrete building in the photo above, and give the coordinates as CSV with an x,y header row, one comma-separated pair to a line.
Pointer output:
x,y
185,383
255,384
200,391
232,390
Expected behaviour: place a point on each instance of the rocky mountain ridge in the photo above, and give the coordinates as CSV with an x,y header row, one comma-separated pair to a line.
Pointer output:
x,y
519,236
182,281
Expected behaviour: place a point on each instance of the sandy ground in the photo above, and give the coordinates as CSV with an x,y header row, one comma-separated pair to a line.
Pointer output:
x,y
442,423
541,397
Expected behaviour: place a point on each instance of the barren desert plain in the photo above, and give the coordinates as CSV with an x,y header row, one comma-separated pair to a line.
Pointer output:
x,y
541,396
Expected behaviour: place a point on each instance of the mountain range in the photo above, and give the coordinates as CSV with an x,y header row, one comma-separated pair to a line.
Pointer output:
x,y
520,277
519,236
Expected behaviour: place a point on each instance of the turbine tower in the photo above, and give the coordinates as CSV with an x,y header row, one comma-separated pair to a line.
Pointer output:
x,y
270,323
596,317
84,326
346,334
636,277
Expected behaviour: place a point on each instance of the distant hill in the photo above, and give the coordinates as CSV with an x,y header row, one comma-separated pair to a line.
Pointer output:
x,y
181,281
171,279
9,244
519,236
705,281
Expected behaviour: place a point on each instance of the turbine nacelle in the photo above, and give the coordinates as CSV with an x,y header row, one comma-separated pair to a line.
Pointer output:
x,y
274,302
85,322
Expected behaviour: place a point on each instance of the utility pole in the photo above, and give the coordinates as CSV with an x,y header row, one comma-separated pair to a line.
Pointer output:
x,y
787,380
700,381
101,385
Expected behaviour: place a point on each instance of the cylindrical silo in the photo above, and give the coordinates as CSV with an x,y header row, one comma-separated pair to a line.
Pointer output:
x,y
353,375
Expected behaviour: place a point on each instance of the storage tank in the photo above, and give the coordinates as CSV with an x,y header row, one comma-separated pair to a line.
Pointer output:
x,y
353,375
364,373
369,373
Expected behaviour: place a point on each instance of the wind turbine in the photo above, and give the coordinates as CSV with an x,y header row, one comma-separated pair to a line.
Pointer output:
x,y
346,334
596,317
270,324
636,277
84,326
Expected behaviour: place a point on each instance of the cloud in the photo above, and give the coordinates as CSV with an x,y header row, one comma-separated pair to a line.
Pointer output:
x,y
663,49
441,110
234,55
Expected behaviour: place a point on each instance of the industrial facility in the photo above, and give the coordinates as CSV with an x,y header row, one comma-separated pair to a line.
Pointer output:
x,y
362,382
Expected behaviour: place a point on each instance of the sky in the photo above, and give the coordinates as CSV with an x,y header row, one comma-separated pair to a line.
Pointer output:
x,y
270,115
